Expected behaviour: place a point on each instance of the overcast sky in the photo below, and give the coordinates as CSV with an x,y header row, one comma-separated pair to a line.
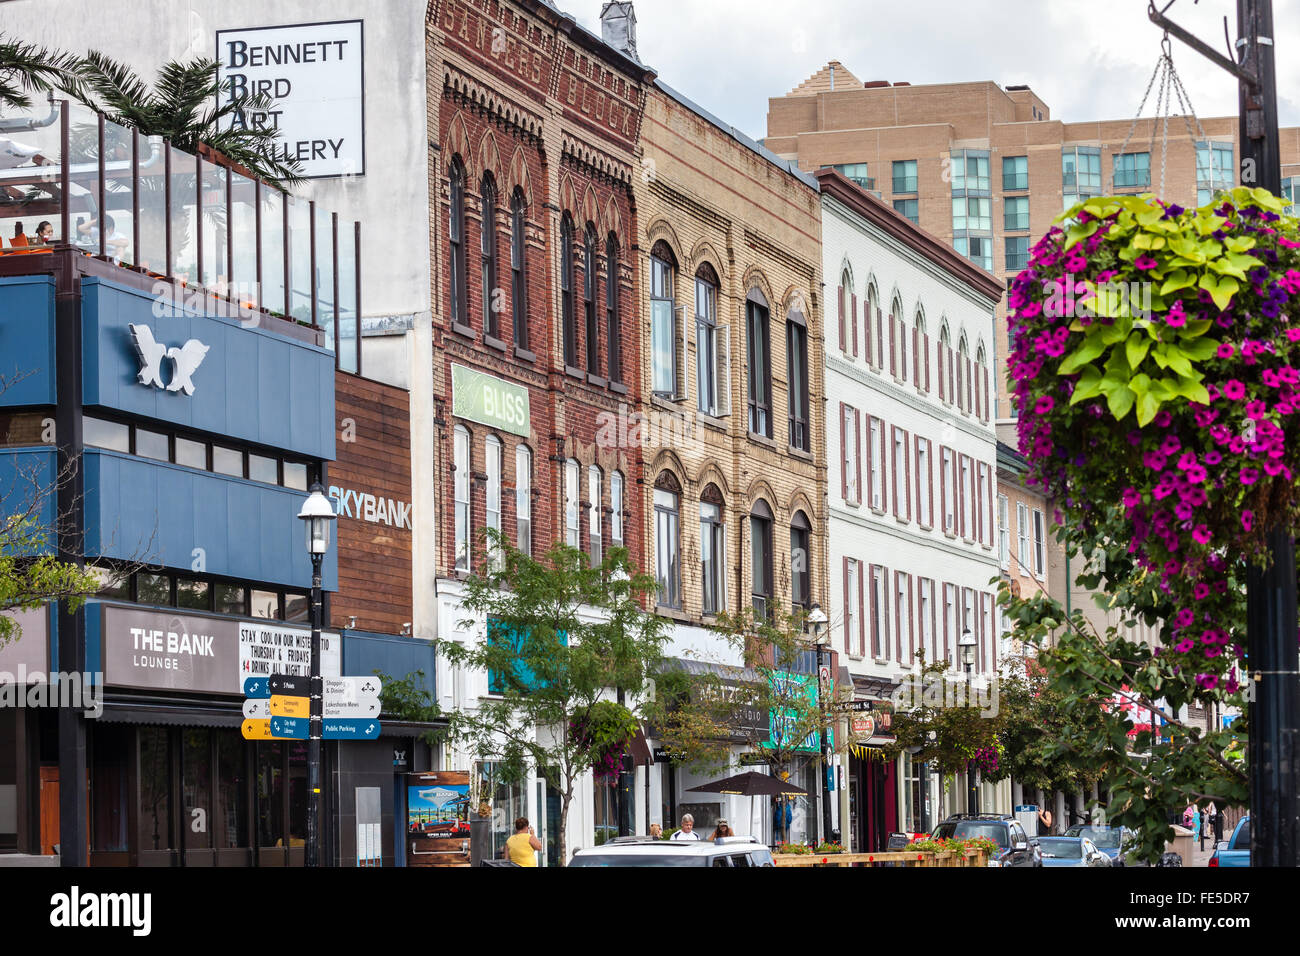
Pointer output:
x,y
1087,59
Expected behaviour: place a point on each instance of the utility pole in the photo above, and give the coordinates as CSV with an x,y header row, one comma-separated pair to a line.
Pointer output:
x,y
1271,626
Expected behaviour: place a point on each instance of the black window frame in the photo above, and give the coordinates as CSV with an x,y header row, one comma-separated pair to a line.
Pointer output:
x,y
760,538
590,289
568,307
613,330
488,255
759,354
519,268
458,305
800,418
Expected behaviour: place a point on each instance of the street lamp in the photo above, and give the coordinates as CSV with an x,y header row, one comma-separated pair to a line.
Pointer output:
x,y
316,516
821,637
967,645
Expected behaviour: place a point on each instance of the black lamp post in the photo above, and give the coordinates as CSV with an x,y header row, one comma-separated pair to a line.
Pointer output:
x,y
317,517
967,645
821,636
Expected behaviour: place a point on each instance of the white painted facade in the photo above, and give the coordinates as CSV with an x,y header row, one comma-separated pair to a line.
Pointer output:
x,y
902,583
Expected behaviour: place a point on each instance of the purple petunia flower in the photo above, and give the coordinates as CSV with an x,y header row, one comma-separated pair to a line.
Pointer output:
x,y
1202,534
1247,519
1225,351
1044,405
1248,476
1201,591
1234,391
1144,262
1185,645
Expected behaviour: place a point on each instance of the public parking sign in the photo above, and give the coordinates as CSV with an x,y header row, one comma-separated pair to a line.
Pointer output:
x,y
350,729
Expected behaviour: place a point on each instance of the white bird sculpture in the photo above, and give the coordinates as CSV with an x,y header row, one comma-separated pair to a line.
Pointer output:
x,y
186,360
151,355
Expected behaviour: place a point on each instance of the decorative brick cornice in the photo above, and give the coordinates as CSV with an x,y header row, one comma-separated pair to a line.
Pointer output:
x,y
461,87
586,157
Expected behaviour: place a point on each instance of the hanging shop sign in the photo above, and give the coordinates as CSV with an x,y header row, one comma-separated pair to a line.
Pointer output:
x,y
488,400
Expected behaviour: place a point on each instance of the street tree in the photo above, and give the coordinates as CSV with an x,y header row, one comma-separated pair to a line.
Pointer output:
x,y
564,640
26,68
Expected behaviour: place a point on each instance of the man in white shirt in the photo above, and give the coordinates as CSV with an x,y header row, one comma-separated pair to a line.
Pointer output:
x,y
687,832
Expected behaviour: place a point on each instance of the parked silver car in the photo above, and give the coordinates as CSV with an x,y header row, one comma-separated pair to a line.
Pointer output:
x,y
743,851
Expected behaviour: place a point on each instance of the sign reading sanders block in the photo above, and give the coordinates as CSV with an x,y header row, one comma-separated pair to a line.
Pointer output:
x,y
314,75
489,400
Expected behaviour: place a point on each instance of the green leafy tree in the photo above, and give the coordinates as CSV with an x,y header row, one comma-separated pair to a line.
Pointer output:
x,y
562,638
765,705
406,698
946,728
26,68
189,104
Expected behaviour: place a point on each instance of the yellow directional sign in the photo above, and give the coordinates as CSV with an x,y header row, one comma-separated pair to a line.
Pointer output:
x,y
282,706
257,728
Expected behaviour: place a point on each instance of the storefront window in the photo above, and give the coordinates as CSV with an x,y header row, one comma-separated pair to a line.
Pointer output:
x,y
230,599
507,804
196,758
605,808
193,594
109,793
155,792
230,825
298,793
270,794
297,607
153,589
266,604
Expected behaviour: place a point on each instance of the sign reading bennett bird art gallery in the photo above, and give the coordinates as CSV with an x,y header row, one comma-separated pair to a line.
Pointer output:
x,y
313,75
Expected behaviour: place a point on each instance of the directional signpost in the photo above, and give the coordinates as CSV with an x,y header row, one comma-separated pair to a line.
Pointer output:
x,y
350,729
279,708
290,728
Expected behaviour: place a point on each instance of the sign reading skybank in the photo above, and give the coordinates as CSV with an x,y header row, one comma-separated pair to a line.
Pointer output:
x,y
164,650
314,75
489,401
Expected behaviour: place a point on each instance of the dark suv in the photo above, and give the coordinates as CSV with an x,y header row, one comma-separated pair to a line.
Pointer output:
x,y
1015,848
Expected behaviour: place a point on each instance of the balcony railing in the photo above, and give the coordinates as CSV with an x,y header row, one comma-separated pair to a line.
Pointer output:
x,y
83,181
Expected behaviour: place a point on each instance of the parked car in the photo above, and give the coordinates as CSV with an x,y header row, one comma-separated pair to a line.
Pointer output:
x,y
1115,842
1071,851
1234,851
1015,848
742,852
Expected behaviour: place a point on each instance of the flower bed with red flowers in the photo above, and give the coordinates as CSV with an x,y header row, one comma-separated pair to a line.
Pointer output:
x,y
1155,360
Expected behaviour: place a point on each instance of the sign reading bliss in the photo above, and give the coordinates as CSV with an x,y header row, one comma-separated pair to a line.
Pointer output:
x,y
313,74
489,400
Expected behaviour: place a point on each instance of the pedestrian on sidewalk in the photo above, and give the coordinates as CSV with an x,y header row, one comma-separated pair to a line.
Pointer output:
x,y
1218,825
1196,825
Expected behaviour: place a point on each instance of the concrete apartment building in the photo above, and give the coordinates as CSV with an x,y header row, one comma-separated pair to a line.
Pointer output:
x,y
734,435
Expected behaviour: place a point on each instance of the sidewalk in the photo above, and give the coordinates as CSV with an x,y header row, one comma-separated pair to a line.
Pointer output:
x,y
1201,857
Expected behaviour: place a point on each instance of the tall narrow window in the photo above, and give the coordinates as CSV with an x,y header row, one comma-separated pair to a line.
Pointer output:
x,y
947,492
760,533
898,341
902,476
1040,542
760,364
904,635
493,503
595,495
668,569
852,605
713,551
489,258
456,237
924,483
879,612
589,243
796,337
966,515
925,606
851,461
1022,537
706,343
875,451
524,499
616,509
800,561
663,344
461,480
1004,533
571,476
567,304
613,330
518,269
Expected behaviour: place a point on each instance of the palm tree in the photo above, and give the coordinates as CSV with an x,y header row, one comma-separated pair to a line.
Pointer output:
x,y
27,68
188,105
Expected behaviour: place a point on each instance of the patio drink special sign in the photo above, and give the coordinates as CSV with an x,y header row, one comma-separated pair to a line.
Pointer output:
x,y
313,73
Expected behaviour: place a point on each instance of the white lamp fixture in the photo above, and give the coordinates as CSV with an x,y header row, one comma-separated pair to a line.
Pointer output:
x,y
317,516
967,645
817,621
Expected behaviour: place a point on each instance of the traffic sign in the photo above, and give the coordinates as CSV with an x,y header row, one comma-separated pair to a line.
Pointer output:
x,y
256,687
257,708
291,728
350,688
351,729
256,729
369,707
290,686
282,706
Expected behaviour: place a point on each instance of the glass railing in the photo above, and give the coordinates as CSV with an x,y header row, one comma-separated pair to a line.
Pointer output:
x,y
72,177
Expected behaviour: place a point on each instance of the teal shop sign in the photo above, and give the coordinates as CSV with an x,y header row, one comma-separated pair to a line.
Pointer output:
x,y
489,400
783,721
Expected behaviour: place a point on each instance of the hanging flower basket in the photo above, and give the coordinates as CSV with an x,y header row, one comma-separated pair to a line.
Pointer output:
x,y
1155,360
606,730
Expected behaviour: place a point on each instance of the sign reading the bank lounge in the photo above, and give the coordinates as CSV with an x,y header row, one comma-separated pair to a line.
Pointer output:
x,y
313,75
489,400
163,650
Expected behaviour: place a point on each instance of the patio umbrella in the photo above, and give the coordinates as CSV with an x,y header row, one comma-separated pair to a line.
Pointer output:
x,y
751,784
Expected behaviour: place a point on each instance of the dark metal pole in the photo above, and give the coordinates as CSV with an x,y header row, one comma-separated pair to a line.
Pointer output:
x,y
1271,593
313,743
822,690
972,790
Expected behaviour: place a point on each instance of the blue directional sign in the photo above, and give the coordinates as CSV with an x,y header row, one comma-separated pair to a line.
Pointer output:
x,y
351,729
257,688
295,728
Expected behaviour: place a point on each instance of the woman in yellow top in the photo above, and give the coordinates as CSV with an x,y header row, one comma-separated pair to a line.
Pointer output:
x,y
521,846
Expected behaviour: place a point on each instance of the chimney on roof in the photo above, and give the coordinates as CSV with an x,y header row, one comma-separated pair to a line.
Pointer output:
x,y
832,64
618,27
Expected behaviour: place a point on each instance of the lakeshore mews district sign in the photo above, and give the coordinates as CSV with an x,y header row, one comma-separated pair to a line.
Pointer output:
x,y
313,74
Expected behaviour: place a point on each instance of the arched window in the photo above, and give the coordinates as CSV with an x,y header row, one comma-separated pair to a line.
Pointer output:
x,y
461,481
759,348
518,269
982,395
613,334
524,498
668,565
874,354
920,354
595,497
964,391
800,561
796,350
616,509
489,257
847,298
459,307
572,473
493,503
760,544
945,367
709,347
663,332
898,340
567,291
713,550
589,246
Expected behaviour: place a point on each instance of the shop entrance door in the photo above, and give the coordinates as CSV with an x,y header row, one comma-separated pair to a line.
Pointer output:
x,y
49,809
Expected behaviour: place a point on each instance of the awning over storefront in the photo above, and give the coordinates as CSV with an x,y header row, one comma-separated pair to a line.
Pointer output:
x,y
171,715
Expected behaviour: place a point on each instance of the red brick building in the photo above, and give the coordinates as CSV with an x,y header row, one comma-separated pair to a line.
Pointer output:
x,y
533,128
